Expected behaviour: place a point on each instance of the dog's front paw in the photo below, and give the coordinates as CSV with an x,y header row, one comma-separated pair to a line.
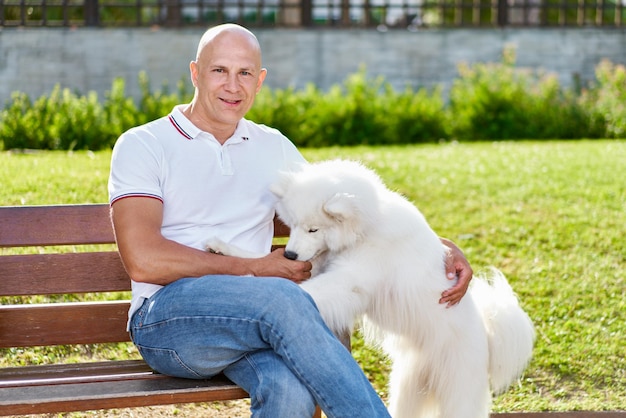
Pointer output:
x,y
216,246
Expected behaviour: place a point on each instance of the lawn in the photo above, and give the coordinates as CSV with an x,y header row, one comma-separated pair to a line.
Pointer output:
x,y
550,215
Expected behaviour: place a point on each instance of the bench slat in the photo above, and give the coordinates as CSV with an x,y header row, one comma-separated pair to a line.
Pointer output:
x,y
115,394
46,274
26,226
63,323
49,373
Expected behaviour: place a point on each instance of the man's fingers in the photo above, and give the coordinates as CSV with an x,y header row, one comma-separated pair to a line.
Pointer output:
x,y
452,297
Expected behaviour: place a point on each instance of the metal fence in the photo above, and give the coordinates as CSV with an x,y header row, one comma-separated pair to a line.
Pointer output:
x,y
381,14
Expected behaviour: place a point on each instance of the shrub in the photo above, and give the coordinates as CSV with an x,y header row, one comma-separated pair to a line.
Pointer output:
x,y
413,117
606,100
345,115
65,120
16,126
77,123
61,120
361,111
499,101
120,110
285,110
487,101
154,104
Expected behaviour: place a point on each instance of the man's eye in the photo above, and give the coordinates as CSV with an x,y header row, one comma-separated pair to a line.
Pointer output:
x,y
312,230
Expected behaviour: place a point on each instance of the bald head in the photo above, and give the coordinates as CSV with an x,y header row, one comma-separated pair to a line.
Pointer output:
x,y
228,29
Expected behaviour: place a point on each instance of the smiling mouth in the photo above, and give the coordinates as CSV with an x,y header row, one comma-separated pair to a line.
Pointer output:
x,y
230,102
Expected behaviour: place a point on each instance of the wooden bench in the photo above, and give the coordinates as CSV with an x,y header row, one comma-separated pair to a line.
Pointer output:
x,y
82,386
92,385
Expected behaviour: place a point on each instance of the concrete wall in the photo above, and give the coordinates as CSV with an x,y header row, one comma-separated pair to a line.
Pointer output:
x,y
34,60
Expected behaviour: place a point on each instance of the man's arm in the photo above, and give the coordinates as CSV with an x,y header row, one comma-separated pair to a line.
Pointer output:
x,y
457,266
149,257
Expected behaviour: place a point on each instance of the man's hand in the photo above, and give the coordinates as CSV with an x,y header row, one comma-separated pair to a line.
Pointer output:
x,y
457,267
277,265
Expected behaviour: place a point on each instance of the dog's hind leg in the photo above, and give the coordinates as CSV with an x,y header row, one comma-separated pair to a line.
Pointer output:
x,y
409,394
463,385
470,400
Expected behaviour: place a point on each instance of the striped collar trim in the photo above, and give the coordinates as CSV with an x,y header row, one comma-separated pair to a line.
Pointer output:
x,y
188,130
178,127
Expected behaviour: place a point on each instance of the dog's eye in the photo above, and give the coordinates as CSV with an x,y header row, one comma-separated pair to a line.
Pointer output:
x,y
312,230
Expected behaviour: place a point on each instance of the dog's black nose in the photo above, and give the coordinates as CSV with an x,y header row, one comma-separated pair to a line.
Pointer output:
x,y
291,255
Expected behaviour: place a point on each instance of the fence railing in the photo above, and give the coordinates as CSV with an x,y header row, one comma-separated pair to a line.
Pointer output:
x,y
381,14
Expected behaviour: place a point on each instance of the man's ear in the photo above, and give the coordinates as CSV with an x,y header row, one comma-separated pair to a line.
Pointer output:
x,y
261,79
193,71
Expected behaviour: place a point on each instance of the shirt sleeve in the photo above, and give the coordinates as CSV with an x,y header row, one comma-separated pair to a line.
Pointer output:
x,y
136,167
292,156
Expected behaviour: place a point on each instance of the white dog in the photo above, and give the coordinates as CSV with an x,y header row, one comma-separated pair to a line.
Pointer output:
x,y
377,259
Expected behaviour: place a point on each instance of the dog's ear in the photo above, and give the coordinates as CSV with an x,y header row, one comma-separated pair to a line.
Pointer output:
x,y
341,206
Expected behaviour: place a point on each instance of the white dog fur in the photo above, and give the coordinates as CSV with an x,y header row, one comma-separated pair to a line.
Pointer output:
x,y
376,259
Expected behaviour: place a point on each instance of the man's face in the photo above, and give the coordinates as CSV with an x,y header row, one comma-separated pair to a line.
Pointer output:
x,y
227,76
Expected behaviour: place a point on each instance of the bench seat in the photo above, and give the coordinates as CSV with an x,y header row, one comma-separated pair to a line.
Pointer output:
x,y
102,385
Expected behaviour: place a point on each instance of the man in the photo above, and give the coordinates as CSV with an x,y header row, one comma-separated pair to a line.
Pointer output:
x,y
205,171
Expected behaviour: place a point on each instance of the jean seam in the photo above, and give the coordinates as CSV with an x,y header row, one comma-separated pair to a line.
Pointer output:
x,y
175,356
257,371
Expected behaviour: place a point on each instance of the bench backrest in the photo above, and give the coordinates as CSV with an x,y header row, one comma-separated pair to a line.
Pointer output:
x,y
63,273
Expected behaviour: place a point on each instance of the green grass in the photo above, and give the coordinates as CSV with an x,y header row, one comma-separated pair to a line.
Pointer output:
x,y
550,215
40,177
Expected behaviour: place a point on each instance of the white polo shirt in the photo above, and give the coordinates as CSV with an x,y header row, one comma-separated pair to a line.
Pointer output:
x,y
207,189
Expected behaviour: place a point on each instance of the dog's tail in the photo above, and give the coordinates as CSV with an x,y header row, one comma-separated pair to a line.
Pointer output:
x,y
510,331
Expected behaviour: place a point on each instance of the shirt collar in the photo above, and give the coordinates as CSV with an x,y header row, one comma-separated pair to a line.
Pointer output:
x,y
182,124
190,131
241,134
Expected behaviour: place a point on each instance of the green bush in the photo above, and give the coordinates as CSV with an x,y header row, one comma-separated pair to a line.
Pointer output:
x,y
285,110
61,120
65,120
606,100
154,104
77,122
120,110
359,112
348,115
486,102
414,117
500,101
16,123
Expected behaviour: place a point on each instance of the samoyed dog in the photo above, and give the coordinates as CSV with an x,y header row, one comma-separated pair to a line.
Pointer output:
x,y
377,262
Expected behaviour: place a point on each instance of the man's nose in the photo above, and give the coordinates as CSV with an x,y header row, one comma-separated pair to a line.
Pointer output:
x,y
231,83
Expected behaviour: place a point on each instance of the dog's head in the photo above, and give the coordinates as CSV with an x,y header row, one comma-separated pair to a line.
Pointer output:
x,y
329,206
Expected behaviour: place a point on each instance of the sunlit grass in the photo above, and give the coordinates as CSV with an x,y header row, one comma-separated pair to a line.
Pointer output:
x,y
550,215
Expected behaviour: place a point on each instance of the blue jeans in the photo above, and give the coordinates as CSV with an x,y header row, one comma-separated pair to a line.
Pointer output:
x,y
265,334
